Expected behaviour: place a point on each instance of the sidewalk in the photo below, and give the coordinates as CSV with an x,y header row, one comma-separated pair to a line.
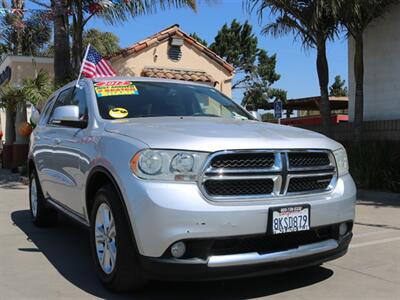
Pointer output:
x,y
9,179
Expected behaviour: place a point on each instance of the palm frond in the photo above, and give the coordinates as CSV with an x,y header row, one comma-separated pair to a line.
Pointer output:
x,y
120,13
10,97
38,89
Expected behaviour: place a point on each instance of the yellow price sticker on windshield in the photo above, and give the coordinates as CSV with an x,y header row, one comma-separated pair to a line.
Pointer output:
x,y
115,88
118,113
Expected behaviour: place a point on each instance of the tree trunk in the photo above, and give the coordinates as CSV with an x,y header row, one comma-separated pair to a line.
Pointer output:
x,y
323,77
359,97
77,42
62,56
10,127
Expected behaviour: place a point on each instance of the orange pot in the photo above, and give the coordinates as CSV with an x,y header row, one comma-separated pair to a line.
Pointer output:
x,y
25,129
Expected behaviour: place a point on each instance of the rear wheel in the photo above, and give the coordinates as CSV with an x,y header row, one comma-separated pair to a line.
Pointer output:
x,y
41,214
113,247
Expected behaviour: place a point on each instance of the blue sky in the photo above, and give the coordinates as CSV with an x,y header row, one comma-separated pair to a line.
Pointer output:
x,y
295,64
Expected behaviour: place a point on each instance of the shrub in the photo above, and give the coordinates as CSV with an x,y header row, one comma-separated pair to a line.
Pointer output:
x,y
375,165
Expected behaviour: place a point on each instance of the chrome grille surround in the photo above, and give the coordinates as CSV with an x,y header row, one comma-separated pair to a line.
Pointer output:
x,y
280,173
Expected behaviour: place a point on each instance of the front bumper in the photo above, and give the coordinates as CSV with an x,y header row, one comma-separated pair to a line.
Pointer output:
x,y
245,265
162,213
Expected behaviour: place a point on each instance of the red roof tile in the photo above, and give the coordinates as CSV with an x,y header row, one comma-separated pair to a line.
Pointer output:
x,y
178,74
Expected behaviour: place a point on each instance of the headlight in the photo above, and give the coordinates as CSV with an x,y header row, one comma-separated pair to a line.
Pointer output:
x,y
341,161
170,165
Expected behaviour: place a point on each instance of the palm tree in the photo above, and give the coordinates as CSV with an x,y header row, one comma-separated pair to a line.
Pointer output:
x,y
21,35
313,22
10,98
62,56
355,16
38,90
83,10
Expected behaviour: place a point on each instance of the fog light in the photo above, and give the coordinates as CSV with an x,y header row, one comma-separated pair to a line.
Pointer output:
x,y
178,249
342,229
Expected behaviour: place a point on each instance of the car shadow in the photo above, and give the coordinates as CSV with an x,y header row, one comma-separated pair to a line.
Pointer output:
x,y
67,248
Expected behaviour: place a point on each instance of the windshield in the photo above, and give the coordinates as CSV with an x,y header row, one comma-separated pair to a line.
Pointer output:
x,y
128,99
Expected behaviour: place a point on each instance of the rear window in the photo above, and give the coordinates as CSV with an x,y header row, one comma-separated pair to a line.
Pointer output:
x,y
128,99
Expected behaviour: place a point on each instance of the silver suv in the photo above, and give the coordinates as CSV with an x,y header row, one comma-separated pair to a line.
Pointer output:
x,y
177,182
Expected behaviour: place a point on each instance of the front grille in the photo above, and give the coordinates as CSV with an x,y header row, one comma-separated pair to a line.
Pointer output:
x,y
304,184
308,159
245,161
258,174
239,187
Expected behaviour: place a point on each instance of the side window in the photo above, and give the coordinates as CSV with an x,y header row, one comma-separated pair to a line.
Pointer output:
x,y
79,98
64,98
73,96
44,115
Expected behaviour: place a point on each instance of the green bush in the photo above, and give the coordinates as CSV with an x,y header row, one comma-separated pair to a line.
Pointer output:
x,y
375,165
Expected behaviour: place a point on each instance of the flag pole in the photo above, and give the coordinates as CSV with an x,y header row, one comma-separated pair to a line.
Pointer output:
x,y
82,63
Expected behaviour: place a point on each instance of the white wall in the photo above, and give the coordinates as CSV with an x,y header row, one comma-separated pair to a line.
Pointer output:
x,y
382,69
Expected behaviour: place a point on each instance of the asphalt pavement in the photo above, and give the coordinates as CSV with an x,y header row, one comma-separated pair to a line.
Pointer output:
x,y
56,263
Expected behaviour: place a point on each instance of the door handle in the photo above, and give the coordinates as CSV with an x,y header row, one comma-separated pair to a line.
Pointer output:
x,y
57,141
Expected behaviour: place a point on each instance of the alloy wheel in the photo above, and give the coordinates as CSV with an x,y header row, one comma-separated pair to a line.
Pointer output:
x,y
105,234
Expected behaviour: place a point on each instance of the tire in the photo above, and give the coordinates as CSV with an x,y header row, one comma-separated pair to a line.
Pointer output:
x,y
41,214
121,270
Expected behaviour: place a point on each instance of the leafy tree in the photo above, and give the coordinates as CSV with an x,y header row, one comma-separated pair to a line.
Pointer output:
x,y
338,87
255,70
237,44
355,16
314,23
24,35
105,43
199,39
259,90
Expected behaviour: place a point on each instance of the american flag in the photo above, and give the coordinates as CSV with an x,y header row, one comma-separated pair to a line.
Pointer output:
x,y
94,65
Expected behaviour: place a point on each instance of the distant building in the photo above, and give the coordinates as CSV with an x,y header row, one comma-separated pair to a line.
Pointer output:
x,y
308,111
173,54
382,69
14,69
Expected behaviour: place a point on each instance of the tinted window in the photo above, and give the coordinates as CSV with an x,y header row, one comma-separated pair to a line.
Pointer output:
x,y
157,99
79,98
73,96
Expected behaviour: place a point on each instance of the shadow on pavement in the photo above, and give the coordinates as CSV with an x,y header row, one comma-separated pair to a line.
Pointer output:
x,y
67,249
378,199
11,185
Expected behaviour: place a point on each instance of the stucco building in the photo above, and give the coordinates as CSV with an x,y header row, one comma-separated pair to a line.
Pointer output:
x,y
173,54
382,69
14,69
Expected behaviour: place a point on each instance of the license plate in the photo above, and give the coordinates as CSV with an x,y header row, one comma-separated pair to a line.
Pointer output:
x,y
289,219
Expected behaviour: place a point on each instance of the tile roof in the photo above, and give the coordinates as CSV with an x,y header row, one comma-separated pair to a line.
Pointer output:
x,y
178,74
166,34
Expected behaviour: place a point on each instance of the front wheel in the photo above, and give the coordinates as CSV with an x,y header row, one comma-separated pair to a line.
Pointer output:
x,y
113,248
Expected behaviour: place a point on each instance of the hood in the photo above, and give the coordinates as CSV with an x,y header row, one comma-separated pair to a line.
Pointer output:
x,y
212,134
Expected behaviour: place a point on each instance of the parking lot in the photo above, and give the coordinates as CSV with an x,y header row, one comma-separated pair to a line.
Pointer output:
x,y
56,263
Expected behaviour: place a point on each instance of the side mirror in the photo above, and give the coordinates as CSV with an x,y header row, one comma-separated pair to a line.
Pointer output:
x,y
68,115
256,115
35,115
